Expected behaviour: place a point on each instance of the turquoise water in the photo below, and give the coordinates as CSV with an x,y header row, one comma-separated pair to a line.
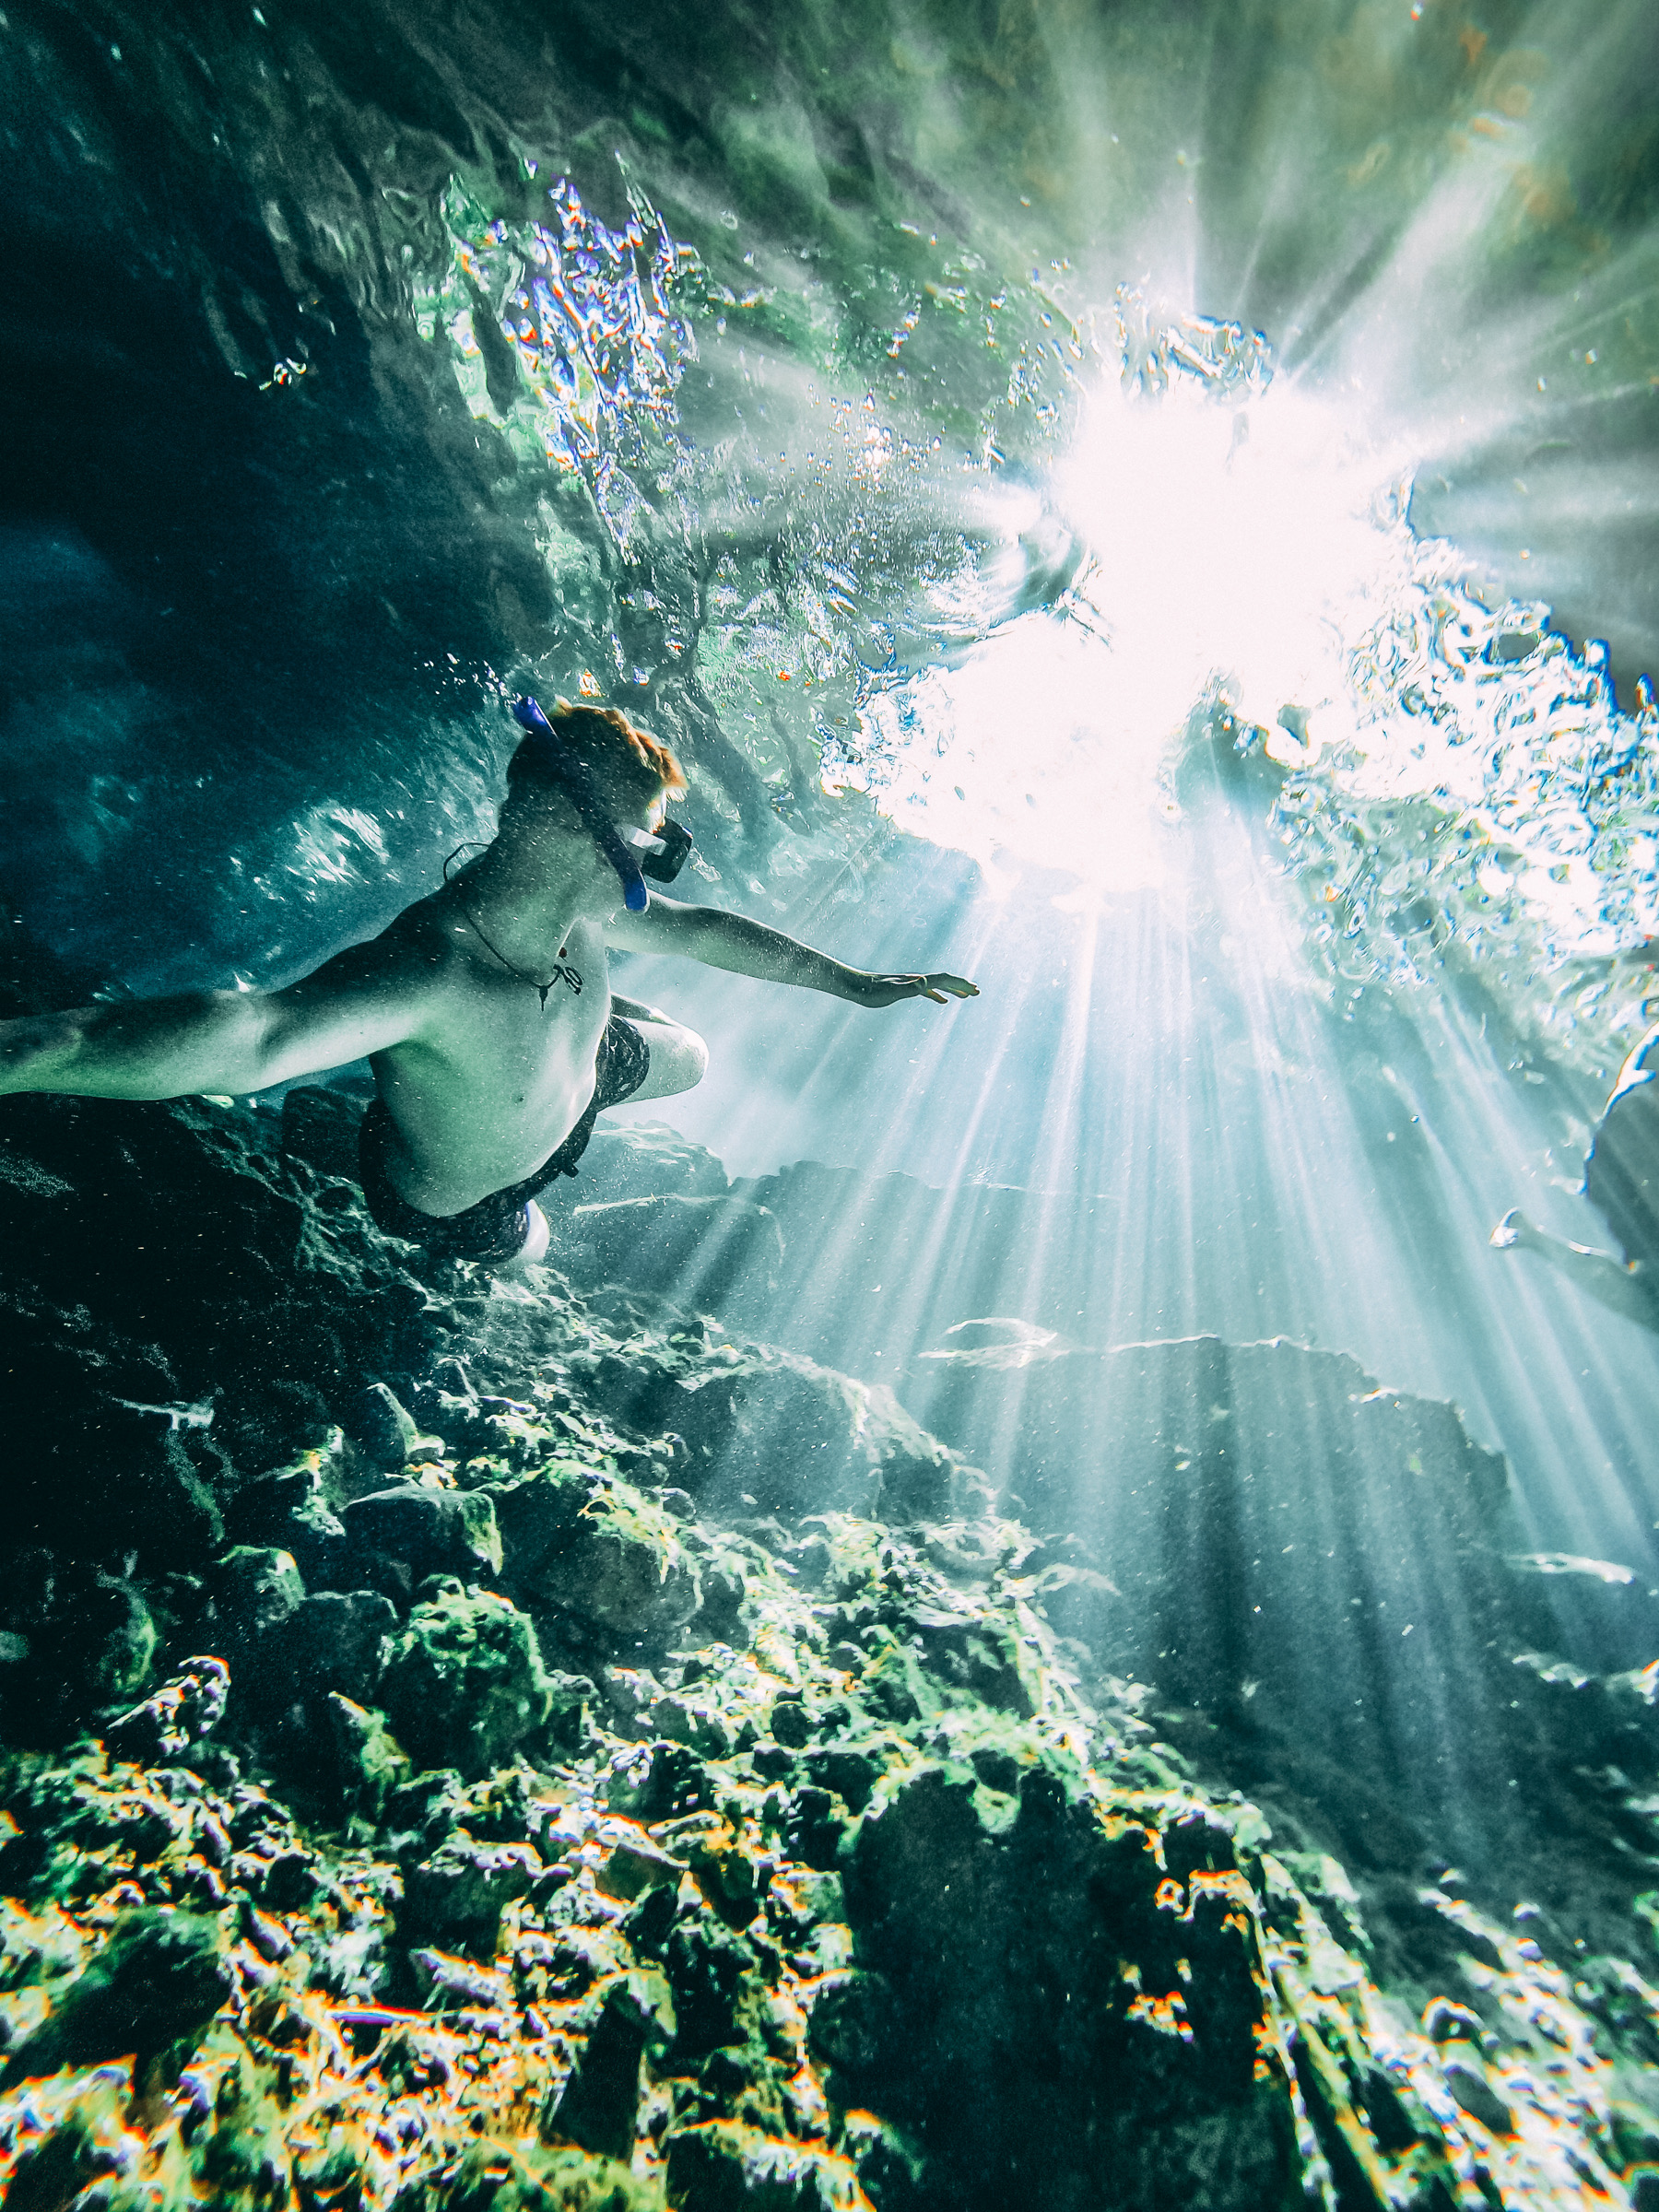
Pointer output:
x,y
1151,509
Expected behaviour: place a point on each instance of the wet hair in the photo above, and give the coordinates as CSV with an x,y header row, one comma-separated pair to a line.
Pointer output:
x,y
632,767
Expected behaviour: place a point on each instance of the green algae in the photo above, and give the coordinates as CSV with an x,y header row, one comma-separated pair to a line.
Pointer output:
x,y
714,1858
465,1680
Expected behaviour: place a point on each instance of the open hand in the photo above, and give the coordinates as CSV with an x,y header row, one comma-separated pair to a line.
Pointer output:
x,y
887,990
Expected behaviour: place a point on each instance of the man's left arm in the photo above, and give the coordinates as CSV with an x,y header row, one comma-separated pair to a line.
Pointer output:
x,y
720,939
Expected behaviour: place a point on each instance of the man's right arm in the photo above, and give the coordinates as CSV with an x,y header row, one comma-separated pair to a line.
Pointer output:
x,y
147,1048
363,1001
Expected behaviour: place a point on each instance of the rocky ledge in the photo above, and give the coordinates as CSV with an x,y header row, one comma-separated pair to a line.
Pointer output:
x,y
470,1746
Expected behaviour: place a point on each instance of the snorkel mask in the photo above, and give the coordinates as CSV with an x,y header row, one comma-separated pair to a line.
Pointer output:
x,y
634,854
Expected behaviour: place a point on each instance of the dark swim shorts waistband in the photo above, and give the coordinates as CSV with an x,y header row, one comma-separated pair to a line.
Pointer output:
x,y
494,1230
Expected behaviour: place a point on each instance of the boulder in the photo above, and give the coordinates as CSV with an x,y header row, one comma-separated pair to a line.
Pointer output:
x,y
77,1642
598,2105
380,1427
418,1531
726,2166
339,1641
289,1509
1060,1933
369,1763
256,1590
159,1980
457,1895
771,1432
465,1684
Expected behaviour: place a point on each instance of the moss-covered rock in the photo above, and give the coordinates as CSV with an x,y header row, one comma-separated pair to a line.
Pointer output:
x,y
335,1640
723,2165
458,1895
529,2178
833,1852
77,1642
256,1592
367,1761
157,1983
598,2106
465,1684
418,1531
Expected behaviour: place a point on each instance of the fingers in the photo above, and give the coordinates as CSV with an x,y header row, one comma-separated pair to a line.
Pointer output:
x,y
925,986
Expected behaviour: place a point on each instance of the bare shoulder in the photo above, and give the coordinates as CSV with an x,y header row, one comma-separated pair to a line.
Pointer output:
x,y
413,957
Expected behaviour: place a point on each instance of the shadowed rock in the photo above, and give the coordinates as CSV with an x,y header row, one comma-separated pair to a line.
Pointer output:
x,y
423,1532
159,1981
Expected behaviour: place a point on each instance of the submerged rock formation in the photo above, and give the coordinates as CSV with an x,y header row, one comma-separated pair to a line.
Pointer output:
x,y
479,1746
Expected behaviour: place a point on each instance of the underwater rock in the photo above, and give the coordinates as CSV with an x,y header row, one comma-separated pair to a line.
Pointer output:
x,y
256,1592
77,1642
712,1973
144,1487
722,2166
159,1980
289,1509
369,1763
776,1432
845,1845
459,1894
598,2106
417,1532
620,1567
504,2177
1113,1947
656,1209
336,1640
465,1685
183,1711
68,2160
382,1429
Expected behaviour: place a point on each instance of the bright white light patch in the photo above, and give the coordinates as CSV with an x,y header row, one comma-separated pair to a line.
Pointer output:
x,y
1017,757
1226,543
1230,549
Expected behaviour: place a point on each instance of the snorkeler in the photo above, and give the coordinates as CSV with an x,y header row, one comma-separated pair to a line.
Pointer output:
x,y
485,1009
1621,1176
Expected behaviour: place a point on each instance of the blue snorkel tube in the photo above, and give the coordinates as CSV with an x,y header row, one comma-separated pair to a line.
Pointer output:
x,y
575,778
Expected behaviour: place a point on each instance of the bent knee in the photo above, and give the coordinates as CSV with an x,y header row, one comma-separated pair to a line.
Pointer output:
x,y
679,1060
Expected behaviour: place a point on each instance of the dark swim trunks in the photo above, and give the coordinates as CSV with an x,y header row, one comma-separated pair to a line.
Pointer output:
x,y
495,1228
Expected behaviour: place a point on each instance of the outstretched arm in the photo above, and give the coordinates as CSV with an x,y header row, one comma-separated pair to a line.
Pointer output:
x,y
732,941
148,1048
362,1001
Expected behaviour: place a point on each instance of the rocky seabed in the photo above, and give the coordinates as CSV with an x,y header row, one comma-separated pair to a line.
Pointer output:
x,y
479,1746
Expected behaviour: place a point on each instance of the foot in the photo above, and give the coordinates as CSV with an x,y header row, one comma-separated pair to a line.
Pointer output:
x,y
534,1250
1511,1231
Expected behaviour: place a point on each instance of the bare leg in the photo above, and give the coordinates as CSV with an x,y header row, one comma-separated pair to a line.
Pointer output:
x,y
679,1058
1623,1291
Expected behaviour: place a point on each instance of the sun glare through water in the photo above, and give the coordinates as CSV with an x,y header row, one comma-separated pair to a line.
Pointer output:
x,y
1450,768
1229,552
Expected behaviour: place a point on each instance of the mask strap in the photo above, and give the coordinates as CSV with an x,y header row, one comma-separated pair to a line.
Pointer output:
x,y
576,780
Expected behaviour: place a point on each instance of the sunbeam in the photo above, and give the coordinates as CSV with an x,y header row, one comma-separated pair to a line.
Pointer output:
x,y
989,1538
